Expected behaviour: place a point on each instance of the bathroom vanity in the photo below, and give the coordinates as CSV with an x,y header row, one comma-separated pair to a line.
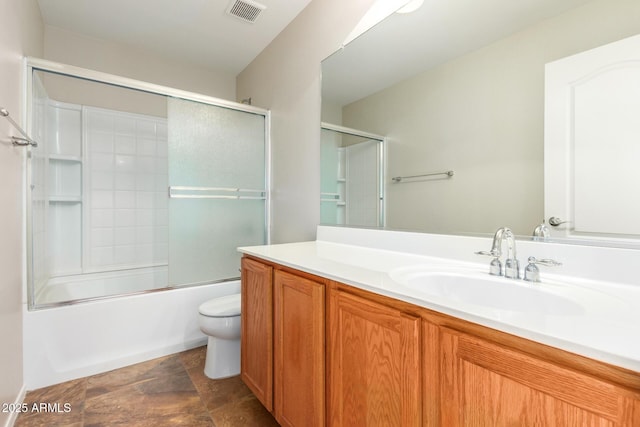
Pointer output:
x,y
335,334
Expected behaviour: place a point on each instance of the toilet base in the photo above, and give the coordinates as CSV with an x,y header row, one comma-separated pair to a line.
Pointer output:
x,y
223,358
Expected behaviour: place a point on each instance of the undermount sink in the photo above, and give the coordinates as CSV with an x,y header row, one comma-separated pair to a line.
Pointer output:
x,y
482,289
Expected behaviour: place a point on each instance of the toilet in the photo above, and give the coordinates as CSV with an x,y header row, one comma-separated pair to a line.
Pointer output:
x,y
219,318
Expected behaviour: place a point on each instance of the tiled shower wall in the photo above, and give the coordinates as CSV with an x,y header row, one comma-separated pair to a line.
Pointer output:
x,y
125,190
362,184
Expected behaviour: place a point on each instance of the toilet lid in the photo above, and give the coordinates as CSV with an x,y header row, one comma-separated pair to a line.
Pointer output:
x,y
221,307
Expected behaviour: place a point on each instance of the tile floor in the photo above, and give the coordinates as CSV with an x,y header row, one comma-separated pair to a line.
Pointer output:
x,y
168,391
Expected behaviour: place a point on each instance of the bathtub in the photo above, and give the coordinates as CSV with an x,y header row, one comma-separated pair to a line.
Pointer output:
x,y
97,285
72,341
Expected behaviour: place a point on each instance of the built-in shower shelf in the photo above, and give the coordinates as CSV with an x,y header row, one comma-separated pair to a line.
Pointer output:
x,y
341,180
65,199
64,158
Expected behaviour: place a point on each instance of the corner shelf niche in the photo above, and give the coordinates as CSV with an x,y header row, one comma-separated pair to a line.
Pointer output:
x,y
64,187
65,179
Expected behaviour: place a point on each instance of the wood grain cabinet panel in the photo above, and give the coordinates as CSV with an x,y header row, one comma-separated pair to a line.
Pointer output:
x,y
299,350
374,370
256,342
484,384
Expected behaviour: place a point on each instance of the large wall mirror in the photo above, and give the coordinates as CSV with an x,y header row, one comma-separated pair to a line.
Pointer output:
x,y
460,86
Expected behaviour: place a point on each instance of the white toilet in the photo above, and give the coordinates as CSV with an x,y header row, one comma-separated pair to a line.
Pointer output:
x,y
219,318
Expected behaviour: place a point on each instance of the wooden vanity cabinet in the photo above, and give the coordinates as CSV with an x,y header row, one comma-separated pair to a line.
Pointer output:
x,y
385,362
374,364
283,342
256,341
460,373
485,384
299,348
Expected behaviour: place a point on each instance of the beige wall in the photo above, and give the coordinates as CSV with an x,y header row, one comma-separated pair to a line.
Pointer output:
x,y
20,33
89,93
95,54
482,116
285,78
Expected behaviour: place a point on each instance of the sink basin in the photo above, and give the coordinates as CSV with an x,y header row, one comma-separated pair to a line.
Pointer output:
x,y
482,289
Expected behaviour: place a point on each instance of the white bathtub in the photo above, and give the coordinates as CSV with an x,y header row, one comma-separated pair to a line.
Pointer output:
x,y
97,285
73,341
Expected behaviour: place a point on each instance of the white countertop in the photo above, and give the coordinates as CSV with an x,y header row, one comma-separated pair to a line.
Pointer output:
x,y
606,328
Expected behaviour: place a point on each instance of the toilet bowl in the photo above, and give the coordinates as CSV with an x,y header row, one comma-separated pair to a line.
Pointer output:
x,y
219,318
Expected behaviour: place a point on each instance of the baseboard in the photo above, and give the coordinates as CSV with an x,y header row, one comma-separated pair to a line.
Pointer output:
x,y
13,415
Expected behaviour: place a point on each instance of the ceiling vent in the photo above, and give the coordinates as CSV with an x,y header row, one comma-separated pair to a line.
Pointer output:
x,y
246,10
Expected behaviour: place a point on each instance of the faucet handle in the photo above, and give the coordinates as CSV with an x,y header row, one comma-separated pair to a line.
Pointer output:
x,y
546,262
532,272
494,254
495,266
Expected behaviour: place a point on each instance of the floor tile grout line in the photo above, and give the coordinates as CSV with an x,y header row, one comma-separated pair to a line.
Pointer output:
x,y
191,363
195,386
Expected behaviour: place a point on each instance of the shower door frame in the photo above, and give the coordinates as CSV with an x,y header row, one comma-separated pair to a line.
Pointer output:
x,y
37,64
381,167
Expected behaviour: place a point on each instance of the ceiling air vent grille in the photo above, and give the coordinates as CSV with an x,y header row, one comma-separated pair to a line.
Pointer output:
x,y
246,10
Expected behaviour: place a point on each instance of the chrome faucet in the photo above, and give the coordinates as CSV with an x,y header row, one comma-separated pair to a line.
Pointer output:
x,y
532,273
511,264
541,233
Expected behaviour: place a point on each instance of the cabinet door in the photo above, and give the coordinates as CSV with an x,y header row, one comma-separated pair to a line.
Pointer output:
x,y
374,370
299,351
256,345
484,384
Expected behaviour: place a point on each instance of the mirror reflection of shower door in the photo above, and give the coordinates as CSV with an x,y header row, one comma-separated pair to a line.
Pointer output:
x,y
217,182
351,177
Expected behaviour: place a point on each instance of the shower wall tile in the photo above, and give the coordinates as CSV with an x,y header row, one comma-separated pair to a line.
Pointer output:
x,y
101,199
146,129
125,236
161,184
127,196
144,235
145,182
102,236
101,162
102,217
101,142
162,149
161,252
162,218
125,217
125,163
145,217
162,132
101,123
146,164
124,254
101,181
162,165
125,181
145,199
161,234
146,147
125,199
125,144
102,256
144,254
125,125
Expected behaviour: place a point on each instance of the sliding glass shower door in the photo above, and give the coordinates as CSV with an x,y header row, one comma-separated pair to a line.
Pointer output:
x,y
135,187
217,189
